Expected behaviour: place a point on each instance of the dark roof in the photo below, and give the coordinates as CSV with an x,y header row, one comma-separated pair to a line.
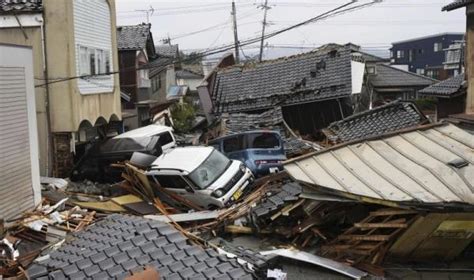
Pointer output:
x,y
445,88
321,74
457,4
167,50
390,117
20,6
388,76
268,120
188,74
133,37
158,65
119,244
372,58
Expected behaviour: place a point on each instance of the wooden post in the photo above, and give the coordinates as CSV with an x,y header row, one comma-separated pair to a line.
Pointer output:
x,y
470,58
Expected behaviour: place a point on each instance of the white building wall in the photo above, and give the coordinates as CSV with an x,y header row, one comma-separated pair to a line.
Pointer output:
x,y
20,188
92,29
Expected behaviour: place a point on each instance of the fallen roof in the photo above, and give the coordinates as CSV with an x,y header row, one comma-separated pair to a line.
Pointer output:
x,y
118,245
133,37
24,6
388,76
431,164
390,117
317,75
188,74
446,88
457,4
156,66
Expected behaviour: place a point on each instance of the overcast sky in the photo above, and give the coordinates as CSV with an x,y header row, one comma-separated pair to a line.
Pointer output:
x,y
374,28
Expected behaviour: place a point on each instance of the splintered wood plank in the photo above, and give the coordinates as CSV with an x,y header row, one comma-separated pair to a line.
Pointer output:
x,y
380,225
365,237
391,212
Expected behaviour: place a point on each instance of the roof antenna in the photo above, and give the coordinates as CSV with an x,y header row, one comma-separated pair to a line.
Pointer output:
x,y
149,12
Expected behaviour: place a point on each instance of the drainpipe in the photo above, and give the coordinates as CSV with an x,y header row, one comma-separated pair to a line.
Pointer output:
x,y
49,157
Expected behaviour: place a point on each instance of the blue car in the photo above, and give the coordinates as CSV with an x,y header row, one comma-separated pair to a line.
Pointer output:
x,y
261,150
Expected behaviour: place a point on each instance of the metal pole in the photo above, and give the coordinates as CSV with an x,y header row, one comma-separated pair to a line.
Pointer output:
x,y
236,37
264,23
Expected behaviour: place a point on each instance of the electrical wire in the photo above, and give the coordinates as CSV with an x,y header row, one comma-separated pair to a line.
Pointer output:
x,y
344,8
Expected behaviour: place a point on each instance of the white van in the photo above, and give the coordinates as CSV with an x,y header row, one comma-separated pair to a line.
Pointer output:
x,y
166,140
202,175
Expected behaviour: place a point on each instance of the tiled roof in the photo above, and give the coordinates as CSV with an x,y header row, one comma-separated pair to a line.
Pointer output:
x,y
133,37
188,74
20,6
445,88
388,76
390,117
167,50
158,65
118,245
321,74
457,4
271,120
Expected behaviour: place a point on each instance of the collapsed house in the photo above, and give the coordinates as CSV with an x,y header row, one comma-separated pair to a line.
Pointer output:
x,y
425,172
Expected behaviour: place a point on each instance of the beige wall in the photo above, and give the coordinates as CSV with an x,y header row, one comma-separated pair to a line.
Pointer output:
x,y
68,107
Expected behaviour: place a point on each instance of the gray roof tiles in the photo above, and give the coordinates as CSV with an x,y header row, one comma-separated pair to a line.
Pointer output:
x,y
321,74
133,37
387,118
167,50
445,88
120,245
24,6
388,76
457,4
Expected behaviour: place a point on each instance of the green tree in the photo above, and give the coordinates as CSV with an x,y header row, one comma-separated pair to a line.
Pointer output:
x,y
183,115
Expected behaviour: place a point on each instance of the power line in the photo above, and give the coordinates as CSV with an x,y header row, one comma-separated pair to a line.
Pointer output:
x,y
344,8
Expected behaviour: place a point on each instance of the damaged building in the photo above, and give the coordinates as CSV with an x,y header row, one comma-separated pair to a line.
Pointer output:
x,y
66,43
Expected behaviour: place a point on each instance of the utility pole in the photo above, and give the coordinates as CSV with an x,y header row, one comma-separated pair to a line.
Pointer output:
x,y
264,23
236,37
149,12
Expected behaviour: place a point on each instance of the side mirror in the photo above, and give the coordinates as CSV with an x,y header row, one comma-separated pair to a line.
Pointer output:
x,y
189,189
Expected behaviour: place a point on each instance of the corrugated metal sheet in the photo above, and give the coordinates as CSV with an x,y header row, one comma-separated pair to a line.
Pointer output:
x,y
408,166
16,191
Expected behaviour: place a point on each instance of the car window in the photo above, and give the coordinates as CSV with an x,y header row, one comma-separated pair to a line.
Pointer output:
x,y
233,144
171,181
263,141
211,169
165,138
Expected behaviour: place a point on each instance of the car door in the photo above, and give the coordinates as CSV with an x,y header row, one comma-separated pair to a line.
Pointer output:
x,y
233,147
178,185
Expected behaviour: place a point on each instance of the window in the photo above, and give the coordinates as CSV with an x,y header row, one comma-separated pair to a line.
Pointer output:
x,y
432,73
233,144
438,47
420,71
453,56
371,69
211,169
84,67
263,141
420,51
400,54
411,55
165,138
391,54
93,61
171,181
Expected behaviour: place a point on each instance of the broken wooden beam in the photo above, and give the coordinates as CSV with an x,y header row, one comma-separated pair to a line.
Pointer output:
x,y
380,225
364,237
391,212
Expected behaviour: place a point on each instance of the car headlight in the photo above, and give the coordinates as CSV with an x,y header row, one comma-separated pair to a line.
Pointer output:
x,y
242,168
218,193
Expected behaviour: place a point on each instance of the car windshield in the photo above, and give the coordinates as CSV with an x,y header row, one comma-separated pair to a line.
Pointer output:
x,y
263,140
210,169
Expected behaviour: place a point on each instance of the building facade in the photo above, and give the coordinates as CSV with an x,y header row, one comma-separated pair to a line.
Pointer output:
x,y
74,51
425,55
